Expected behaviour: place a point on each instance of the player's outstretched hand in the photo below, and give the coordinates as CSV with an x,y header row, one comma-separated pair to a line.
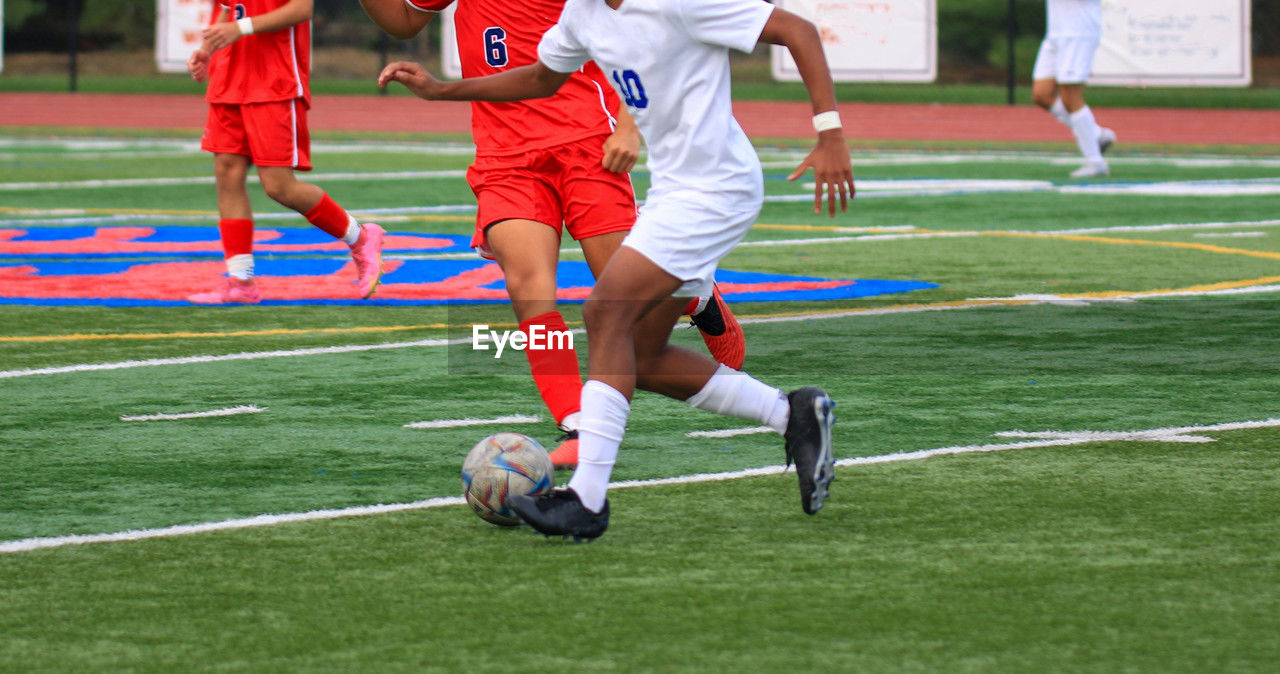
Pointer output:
x,y
832,172
221,35
198,65
413,76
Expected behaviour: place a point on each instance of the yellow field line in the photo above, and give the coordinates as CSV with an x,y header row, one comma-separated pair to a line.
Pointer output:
x,y
1209,248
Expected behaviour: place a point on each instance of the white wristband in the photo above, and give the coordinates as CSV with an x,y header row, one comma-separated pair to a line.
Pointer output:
x,y
825,121
246,25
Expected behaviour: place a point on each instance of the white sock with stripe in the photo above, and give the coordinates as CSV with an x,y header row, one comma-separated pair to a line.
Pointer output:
x,y
240,266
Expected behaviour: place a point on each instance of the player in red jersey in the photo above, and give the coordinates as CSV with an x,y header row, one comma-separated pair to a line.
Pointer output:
x,y
543,165
256,56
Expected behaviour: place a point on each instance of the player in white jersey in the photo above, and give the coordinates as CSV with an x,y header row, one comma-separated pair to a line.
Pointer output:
x,y
1072,33
669,61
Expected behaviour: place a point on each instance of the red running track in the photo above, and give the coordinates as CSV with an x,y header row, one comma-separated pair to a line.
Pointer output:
x,y
761,119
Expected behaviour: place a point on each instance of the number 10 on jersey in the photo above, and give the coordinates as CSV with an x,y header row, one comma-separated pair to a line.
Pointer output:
x,y
631,89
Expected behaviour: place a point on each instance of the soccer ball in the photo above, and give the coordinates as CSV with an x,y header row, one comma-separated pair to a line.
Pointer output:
x,y
504,465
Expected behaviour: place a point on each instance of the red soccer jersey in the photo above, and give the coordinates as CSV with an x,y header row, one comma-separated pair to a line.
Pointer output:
x,y
495,35
261,67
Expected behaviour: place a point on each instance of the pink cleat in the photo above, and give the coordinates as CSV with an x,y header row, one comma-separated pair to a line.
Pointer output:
x,y
234,291
367,254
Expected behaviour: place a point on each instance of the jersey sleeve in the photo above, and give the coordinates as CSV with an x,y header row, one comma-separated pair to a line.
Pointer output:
x,y
735,24
560,52
428,5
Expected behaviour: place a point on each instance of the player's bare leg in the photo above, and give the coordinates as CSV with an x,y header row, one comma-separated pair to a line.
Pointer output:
x,y
365,240
235,230
629,318
528,252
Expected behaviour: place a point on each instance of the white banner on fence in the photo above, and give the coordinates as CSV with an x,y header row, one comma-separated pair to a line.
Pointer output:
x,y
869,41
1174,43
178,26
449,59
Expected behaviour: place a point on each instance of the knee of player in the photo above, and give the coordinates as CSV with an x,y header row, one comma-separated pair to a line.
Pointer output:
x,y
531,282
278,190
603,317
229,172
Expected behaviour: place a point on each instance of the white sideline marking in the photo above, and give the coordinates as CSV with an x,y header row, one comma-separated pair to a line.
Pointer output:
x,y
225,412
1187,188
458,423
729,432
1226,235
208,180
1051,439
788,157
974,303
255,355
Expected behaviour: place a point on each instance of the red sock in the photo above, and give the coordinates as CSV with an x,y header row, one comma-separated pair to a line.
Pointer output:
x,y
555,371
691,307
329,216
237,236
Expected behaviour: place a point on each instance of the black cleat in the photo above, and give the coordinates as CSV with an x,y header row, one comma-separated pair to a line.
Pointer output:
x,y
560,512
808,439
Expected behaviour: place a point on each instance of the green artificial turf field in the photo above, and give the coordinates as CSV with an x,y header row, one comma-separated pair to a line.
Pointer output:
x,y
1061,457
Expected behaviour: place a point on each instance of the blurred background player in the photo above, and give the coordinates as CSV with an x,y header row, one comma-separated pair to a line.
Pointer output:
x,y
256,57
545,164
1073,29
669,62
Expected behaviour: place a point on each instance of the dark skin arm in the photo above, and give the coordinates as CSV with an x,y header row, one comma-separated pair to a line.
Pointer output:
x,y
832,168
517,84
396,17
833,171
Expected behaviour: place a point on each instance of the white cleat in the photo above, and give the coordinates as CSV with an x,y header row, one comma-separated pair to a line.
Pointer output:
x,y
1106,139
1091,170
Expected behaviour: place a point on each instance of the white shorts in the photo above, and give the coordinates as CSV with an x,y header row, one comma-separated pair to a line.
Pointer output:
x,y
686,233
1069,60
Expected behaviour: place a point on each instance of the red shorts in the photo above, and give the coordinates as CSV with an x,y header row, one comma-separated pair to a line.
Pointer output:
x,y
562,187
270,134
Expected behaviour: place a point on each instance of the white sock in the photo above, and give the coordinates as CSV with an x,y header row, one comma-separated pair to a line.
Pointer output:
x,y
240,266
353,231
603,421
737,394
1060,111
570,422
1086,131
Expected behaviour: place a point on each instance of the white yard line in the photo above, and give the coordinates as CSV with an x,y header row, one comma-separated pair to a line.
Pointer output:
x,y
225,412
459,423
1049,439
729,432
253,355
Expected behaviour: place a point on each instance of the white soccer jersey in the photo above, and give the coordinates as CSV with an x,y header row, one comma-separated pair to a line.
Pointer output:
x,y
669,61
1074,18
